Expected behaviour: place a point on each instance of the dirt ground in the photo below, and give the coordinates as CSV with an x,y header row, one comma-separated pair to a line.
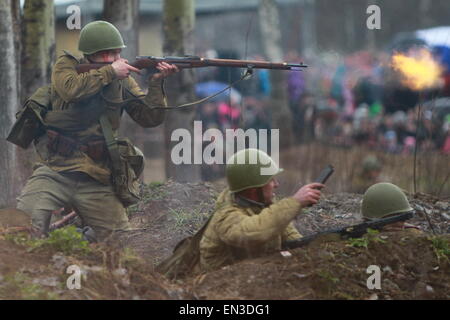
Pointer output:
x,y
412,265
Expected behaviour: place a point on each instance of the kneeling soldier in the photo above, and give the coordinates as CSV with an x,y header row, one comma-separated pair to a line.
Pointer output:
x,y
82,163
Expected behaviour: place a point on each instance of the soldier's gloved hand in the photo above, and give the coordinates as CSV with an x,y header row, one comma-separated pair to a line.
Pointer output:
x,y
309,194
122,68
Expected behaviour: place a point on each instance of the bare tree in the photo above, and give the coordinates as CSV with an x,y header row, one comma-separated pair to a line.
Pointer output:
x,y
10,100
178,27
269,23
124,14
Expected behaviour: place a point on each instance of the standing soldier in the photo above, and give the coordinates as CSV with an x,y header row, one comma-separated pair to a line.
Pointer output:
x,y
81,161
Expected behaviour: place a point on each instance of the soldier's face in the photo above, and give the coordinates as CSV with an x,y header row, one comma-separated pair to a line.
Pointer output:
x,y
107,56
268,190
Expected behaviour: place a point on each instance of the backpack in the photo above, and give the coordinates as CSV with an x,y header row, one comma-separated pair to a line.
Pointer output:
x,y
30,124
185,258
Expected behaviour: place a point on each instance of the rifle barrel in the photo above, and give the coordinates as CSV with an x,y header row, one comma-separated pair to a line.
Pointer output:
x,y
188,62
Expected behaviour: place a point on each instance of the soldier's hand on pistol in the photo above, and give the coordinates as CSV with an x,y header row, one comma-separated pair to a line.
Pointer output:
x,y
309,194
165,69
122,68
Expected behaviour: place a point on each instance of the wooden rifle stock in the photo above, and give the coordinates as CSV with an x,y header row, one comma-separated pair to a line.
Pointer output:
x,y
143,62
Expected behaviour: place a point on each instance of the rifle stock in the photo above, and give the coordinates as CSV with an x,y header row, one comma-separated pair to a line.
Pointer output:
x,y
354,231
188,62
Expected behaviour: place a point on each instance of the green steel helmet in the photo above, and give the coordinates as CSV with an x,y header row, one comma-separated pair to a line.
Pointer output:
x,y
383,199
98,36
371,163
250,168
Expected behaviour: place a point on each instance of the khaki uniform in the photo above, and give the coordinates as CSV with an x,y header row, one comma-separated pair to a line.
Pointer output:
x,y
78,179
240,230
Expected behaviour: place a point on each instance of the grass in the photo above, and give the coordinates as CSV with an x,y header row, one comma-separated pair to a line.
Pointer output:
x,y
149,192
67,240
188,220
363,242
441,247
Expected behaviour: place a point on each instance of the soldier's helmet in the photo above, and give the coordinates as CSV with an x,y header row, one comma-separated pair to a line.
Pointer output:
x,y
384,199
250,168
371,163
98,36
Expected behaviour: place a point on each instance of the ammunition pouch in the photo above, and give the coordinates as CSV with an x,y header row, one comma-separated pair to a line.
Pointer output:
x,y
127,164
30,124
65,146
126,179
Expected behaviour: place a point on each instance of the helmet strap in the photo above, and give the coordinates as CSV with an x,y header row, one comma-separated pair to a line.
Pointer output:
x,y
260,196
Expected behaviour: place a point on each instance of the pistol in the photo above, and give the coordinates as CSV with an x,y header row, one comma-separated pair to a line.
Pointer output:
x,y
325,174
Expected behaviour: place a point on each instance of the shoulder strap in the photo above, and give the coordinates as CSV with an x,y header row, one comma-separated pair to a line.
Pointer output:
x,y
112,145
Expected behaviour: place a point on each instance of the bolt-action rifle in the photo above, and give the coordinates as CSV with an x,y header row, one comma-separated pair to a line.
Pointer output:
x,y
187,62
354,231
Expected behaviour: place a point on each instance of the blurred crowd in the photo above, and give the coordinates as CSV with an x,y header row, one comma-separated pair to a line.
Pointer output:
x,y
345,101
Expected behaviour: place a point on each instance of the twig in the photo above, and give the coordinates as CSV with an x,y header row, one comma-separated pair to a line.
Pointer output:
x,y
416,146
443,184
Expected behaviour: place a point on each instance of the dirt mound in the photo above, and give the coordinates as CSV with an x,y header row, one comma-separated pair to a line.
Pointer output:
x,y
337,270
171,211
167,213
106,273
343,209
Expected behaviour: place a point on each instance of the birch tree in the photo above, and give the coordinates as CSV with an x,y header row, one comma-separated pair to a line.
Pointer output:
x,y
38,45
10,100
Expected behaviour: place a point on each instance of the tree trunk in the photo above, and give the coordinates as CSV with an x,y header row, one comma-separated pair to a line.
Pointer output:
x,y
308,29
10,99
425,16
38,44
371,34
124,14
269,23
178,29
349,27
37,54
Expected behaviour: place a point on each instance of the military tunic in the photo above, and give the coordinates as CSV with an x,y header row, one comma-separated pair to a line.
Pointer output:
x,y
240,230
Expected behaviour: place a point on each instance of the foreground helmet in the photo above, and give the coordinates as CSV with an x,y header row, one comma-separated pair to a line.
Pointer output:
x,y
249,168
98,36
383,199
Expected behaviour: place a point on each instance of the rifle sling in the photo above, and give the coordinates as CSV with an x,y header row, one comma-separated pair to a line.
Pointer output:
x,y
246,75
